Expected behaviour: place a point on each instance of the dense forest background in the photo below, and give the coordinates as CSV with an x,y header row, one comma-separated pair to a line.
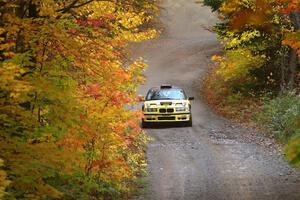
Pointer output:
x,y
67,81
256,78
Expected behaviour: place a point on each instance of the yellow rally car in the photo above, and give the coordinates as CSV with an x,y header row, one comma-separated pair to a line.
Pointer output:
x,y
167,104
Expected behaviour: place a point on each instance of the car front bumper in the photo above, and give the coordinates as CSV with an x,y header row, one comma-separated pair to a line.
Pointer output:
x,y
167,117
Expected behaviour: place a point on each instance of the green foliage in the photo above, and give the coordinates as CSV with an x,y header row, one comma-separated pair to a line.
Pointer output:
x,y
234,98
292,149
79,186
214,4
280,115
3,180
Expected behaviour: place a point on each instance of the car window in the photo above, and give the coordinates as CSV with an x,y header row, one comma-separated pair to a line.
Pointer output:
x,y
172,94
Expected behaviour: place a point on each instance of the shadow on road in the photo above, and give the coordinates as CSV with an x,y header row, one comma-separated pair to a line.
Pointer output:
x,y
165,125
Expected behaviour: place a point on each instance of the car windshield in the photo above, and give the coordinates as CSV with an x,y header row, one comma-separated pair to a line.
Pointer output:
x,y
165,94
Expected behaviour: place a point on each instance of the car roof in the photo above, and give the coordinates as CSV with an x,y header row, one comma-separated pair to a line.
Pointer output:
x,y
166,87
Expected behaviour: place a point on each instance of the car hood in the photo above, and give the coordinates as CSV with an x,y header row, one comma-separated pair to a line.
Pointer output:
x,y
155,103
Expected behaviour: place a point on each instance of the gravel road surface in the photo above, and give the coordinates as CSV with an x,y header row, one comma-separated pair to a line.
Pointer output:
x,y
211,160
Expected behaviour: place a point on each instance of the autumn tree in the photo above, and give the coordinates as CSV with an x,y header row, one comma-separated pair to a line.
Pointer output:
x,y
67,82
261,59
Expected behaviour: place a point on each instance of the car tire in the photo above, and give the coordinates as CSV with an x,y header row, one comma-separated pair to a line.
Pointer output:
x,y
145,124
190,122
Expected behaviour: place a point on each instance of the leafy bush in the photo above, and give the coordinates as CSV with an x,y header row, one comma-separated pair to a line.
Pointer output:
x,y
292,149
252,63
234,98
280,115
65,87
80,186
3,180
214,4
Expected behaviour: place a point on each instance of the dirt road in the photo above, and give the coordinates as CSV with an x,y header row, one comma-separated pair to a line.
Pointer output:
x,y
209,160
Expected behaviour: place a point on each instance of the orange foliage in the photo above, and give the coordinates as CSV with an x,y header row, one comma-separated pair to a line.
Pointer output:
x,y
289,6
292,39
68,80
258,17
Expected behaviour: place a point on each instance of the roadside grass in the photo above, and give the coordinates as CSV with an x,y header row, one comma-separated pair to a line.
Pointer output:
x,y
277,115
235,107
141,187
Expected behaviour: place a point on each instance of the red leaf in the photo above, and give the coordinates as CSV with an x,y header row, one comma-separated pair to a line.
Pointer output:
x,y
100,164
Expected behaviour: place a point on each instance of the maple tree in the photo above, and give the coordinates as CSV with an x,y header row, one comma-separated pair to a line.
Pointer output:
x,y
291,10
67,83
261,40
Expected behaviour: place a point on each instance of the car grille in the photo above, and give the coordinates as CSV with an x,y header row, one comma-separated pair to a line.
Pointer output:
x,y
162,110
168,110
166,118
165,103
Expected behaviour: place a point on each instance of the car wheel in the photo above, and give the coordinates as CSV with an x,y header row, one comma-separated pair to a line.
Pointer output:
x,y
190,122
145,124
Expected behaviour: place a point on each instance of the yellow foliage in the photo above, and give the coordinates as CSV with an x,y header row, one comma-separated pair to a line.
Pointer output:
x,y
67,82
29,165
3,180
236,64
292,151
245,13
231,6
232,39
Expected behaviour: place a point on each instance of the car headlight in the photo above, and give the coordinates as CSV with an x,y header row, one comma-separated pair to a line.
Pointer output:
x,y
181,109
147,104
151,109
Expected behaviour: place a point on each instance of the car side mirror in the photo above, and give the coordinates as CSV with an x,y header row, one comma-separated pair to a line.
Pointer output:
x,y
191,98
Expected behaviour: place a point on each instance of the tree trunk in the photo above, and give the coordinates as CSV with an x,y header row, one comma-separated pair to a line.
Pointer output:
x,y
293,69
32,11
20,12
283,68
294,59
